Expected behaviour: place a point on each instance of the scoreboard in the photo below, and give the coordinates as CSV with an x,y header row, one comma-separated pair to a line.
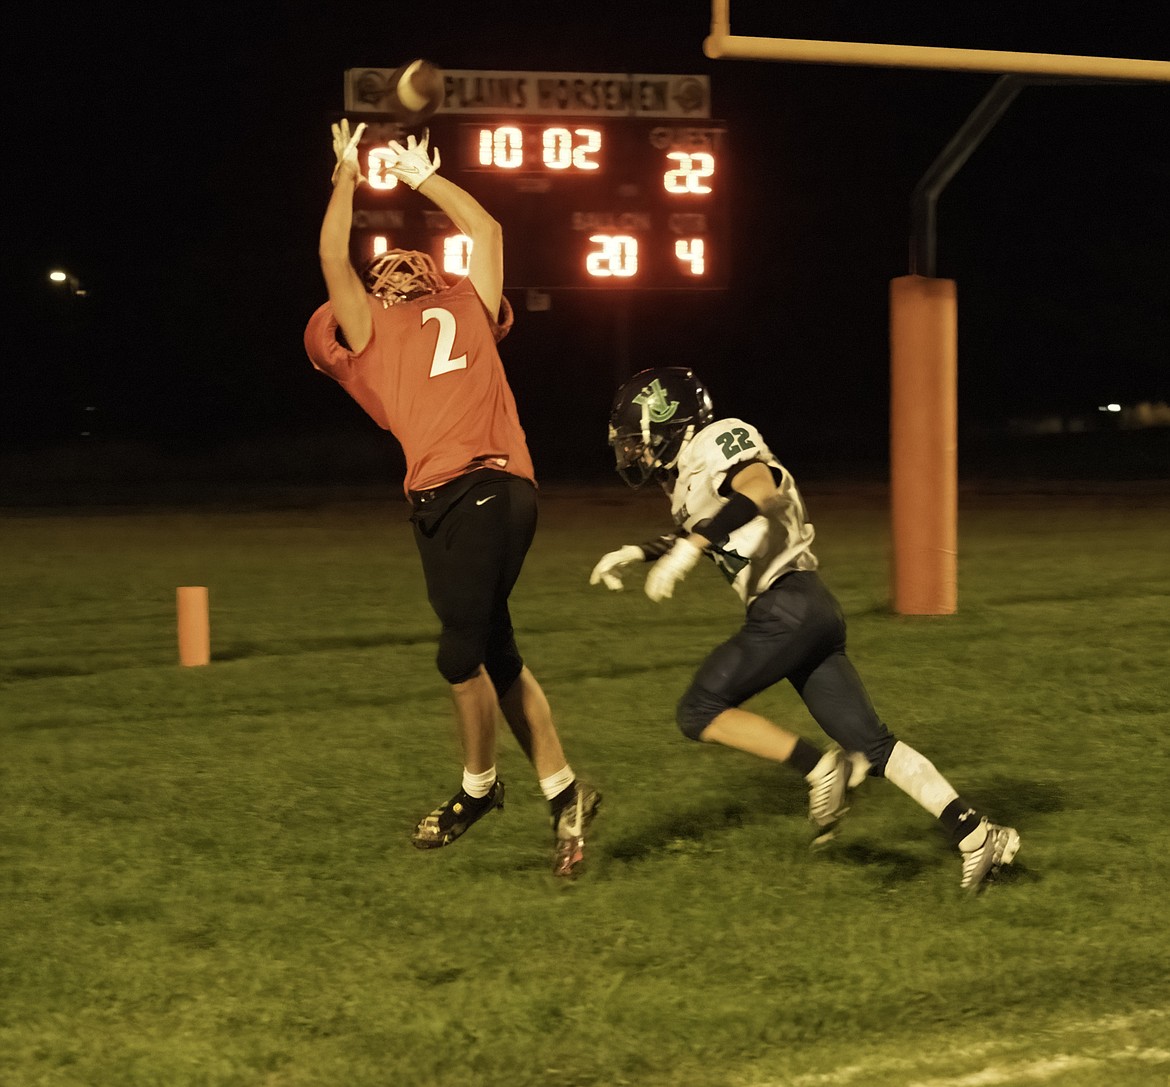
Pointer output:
x,y
599,181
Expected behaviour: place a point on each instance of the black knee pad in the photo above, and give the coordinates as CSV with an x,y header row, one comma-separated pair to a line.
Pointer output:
x,y
696,710
461,652
503,666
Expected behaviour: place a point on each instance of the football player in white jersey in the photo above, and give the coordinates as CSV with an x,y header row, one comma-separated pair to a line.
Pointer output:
x,y
732,500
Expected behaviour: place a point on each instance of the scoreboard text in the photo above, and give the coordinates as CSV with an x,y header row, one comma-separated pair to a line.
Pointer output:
x,y
633,200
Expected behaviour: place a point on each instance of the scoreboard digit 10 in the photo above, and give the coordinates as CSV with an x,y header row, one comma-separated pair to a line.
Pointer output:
x,y
600,181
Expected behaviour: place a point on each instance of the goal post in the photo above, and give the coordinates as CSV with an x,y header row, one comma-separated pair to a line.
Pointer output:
x,y
721,44
924,445
923,310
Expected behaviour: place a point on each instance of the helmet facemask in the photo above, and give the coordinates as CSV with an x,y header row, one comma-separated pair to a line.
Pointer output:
x,y
399,275
644,454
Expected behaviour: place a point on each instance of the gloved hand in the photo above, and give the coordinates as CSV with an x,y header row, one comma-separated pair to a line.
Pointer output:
x,y
679,561
413,165
611,567
345,148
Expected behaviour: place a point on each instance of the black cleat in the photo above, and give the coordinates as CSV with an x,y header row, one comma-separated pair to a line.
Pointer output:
x,y
456,817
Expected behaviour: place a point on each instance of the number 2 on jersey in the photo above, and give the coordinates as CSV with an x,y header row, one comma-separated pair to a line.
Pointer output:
x,y
734,441
441,360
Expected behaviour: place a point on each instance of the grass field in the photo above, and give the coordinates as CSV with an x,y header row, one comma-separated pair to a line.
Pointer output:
x,y
206,876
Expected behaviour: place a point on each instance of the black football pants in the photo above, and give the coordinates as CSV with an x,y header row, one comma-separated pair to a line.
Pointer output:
x,y
795,630
473,535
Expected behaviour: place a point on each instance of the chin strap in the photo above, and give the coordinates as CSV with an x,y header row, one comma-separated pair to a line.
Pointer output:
x,y
686,440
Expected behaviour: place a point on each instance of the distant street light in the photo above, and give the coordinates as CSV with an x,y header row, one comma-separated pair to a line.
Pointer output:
x,y
73,343
68,278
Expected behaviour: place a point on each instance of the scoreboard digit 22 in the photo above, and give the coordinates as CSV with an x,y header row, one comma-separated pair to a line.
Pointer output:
x,y
600,181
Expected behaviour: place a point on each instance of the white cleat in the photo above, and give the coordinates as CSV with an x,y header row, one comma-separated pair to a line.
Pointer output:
x,y
828,793
996,847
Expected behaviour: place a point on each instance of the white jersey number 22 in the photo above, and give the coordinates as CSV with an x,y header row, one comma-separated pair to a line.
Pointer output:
x,y
441,360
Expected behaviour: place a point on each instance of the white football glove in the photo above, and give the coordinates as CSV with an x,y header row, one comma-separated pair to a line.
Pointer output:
x,y
611,567
679,561
412,164
345,148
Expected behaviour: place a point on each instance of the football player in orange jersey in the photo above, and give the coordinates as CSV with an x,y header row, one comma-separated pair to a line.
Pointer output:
x,y
419,355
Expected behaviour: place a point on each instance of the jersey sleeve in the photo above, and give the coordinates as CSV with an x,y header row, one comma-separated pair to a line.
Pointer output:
x,y
503,323
720,446
326,352
499,323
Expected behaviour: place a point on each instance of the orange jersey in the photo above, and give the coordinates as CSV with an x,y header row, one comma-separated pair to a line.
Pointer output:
x,y
432,376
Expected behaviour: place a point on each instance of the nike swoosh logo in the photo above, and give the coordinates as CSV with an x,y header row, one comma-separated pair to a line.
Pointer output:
x,y
481,501
574,826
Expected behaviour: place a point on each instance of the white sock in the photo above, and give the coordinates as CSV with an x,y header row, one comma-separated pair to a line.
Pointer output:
x,y
916,776
478,785
557,783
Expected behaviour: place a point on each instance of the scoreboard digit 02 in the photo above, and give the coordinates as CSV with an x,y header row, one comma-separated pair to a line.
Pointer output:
x,y
600,181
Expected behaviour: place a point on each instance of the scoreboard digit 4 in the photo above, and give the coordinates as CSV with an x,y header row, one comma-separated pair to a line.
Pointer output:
x,y
594,189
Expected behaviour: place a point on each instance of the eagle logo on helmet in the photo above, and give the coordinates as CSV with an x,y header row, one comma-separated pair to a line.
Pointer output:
x,y
655,405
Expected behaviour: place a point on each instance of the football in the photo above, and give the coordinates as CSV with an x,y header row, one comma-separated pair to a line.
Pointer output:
x,y
417,91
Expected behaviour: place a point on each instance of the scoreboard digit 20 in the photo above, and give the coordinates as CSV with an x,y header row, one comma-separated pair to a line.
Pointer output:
x,y
600,181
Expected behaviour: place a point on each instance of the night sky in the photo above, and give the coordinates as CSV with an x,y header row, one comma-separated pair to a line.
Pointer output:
x,y
178,163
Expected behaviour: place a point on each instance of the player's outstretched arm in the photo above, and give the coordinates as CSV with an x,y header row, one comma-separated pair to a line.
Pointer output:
x,y
417,165
486,267
347,296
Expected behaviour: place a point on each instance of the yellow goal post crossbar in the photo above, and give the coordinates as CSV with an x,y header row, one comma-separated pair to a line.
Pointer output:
x,y
722,43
